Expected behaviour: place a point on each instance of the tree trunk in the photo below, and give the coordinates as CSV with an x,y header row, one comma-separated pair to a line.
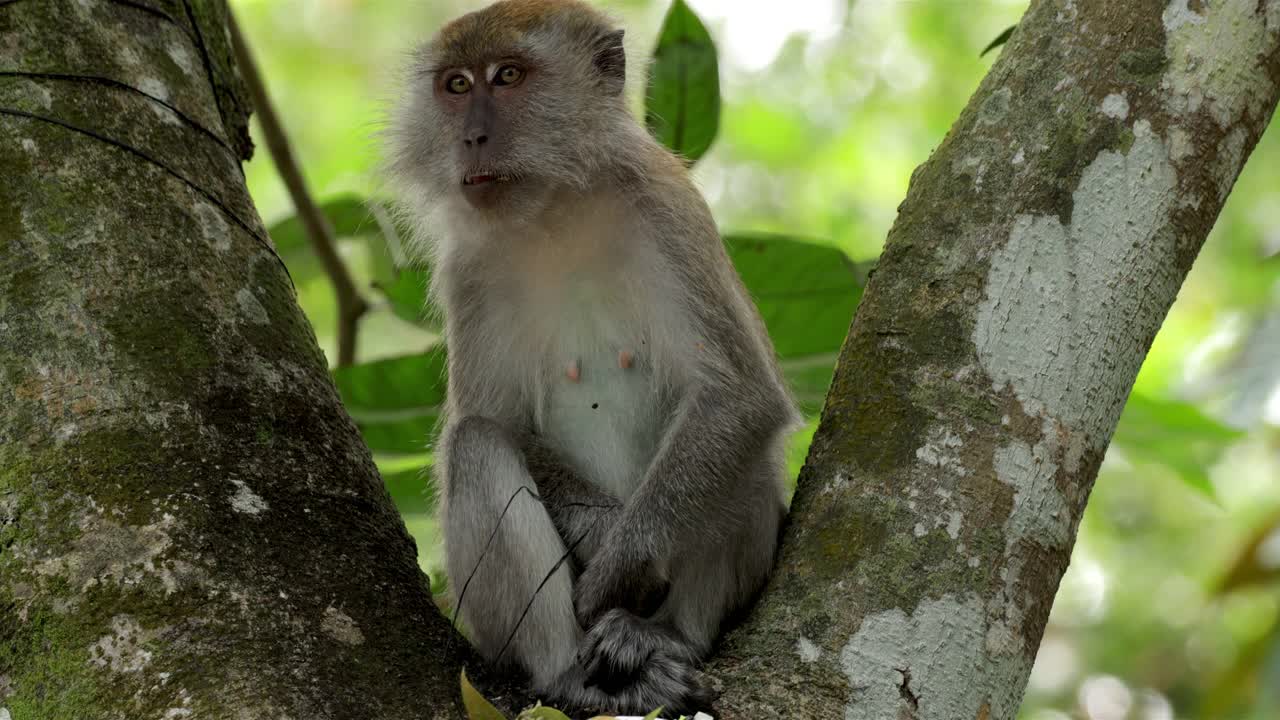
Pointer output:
x,y
1029,269
191,527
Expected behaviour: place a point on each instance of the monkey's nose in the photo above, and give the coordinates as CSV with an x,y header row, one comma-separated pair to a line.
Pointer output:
x,y
475,139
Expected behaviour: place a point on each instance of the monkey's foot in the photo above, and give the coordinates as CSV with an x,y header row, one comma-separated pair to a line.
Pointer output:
x,y
663,682
619,646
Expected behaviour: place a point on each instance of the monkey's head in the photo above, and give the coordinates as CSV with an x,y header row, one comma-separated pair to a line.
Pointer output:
x,y
511,103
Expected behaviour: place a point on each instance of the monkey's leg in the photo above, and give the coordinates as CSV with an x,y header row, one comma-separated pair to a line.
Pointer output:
x,y
622,649
659,669
713,576
486,471
581,512
708,584
713,583
502,548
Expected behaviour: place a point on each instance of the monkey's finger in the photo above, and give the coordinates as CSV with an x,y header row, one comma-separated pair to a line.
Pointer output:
x,y
588,657
611,672
612,682
671,683
599,665
622,645
589,651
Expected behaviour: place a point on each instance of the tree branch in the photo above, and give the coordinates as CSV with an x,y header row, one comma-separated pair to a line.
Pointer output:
x,y
1027,273
351,304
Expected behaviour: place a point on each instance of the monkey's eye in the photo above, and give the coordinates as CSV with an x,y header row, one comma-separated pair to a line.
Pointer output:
x,y
508,75
457,84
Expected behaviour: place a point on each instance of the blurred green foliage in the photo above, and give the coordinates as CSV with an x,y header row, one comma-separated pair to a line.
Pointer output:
x,y
682,97
820,110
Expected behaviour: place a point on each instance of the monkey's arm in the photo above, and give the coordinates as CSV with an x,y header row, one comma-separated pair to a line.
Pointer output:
x,y
732,406
693,489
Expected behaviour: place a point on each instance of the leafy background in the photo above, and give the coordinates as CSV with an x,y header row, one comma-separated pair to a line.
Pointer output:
x,y
1171,607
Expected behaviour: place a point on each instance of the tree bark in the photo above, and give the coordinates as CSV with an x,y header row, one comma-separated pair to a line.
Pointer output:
x,y
190,525
1028,271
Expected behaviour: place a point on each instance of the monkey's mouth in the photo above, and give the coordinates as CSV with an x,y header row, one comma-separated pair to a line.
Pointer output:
x,y
485,179
485,189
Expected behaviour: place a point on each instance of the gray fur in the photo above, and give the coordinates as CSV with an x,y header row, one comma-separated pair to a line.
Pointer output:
x,y
661,476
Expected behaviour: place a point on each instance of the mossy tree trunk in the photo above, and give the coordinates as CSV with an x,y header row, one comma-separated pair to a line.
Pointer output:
x,y
191,527
1029,269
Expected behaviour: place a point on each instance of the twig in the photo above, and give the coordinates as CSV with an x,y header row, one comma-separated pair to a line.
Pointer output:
x,y
351,305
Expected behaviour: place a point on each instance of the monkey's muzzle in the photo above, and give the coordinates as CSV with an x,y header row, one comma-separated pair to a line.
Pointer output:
x,y
483,190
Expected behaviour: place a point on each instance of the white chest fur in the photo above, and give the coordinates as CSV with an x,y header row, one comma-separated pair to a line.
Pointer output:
x,y
602,409
567,299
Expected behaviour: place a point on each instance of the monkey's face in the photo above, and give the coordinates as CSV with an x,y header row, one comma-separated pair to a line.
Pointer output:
x,y
513,103
483,104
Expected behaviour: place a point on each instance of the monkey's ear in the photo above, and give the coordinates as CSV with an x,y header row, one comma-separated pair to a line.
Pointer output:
x,y
611,61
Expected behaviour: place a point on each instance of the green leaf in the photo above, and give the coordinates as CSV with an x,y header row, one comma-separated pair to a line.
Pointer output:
x,y
394,276
1175,435
806,294
478,708
406,292
653,715
396,401
411,490
682,106
1173,418
349,215
541,712
1001,39
307,274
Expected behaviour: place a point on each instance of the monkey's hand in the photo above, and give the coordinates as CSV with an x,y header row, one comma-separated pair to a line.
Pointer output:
x,y
620,647
620,575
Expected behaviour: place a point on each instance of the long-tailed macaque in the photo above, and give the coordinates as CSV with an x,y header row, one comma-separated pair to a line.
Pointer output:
x,y
612,460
